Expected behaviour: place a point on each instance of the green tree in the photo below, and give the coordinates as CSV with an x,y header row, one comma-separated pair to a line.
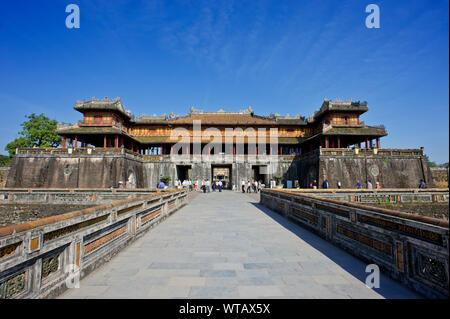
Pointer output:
x,y
5,161
37,131
430,163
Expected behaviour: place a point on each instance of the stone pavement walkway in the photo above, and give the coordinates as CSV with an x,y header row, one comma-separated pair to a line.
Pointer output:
x,y
226,245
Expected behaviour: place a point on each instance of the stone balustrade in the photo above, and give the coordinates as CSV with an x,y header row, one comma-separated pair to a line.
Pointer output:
x,y
85,196
410,248
370,152
87,151
38,259
387,195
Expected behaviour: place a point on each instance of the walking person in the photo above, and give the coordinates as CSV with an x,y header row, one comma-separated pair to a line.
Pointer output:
x,y
243,186
203,186
325,183
339,185
249,187
378,186
314,185
369,185
220,186
255,187
358,185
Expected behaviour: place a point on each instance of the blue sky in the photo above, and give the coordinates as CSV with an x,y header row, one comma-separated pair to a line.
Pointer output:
x,y
276,56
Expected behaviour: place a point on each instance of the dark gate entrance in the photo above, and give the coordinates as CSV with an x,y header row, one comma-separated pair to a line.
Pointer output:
x,y
183,172
222,173
259,173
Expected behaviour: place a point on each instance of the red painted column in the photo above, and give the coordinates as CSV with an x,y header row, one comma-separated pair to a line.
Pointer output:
x,y
132,146
367,143
378,142
121,141
104,141
326,142
116,141
64,142
75,144
339,142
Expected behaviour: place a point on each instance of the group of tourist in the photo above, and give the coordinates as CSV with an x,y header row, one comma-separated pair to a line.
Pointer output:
x,y
251,186
187,183
325,185
255,186
206,185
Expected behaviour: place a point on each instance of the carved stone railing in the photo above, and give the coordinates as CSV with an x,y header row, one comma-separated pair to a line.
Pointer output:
x,y
87,196
83,151
386,195
39,259
370,152
347,152
71,151
410,248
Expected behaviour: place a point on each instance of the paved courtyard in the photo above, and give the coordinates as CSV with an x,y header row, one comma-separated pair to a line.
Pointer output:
x,y
226,245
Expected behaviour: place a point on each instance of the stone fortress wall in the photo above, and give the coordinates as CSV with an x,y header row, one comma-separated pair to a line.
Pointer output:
x,y
440,176
3,175
105,168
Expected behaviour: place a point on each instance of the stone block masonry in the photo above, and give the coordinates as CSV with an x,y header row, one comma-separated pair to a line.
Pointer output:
x,y
105,168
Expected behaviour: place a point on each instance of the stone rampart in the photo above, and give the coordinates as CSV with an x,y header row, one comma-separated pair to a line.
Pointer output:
x,y
392,168
39,259
440,176
92,168
410,248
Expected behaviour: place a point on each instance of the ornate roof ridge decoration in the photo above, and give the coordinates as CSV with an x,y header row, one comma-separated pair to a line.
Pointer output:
x,y
106,102
60,126
221,111
152,117
338,104
287,116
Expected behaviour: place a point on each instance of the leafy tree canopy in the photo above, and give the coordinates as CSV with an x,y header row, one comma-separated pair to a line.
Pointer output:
x,y
37,131
4,161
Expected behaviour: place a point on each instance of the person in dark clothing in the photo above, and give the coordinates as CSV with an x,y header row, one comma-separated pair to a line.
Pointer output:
x,y
422,184
325,183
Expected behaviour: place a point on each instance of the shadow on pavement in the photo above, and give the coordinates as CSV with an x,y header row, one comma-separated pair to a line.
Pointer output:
x,y
389,288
